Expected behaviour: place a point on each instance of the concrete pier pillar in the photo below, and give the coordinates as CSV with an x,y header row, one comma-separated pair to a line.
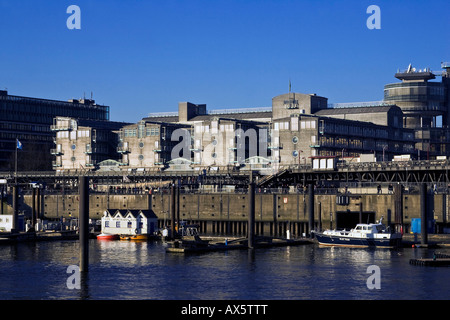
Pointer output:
x,y
320,216
83,185
15,201
251,215
38,203
33,208
172,209
398,207
177,189
423,213
310,208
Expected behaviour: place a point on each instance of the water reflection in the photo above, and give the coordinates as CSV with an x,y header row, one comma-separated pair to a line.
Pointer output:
x,y
143,270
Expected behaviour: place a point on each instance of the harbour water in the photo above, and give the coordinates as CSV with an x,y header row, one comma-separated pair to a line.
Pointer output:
x,y
143,270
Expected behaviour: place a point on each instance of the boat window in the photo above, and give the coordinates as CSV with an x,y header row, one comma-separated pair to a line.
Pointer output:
x,y
358,228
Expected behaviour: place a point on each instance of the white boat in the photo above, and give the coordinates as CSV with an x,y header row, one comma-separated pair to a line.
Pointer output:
x,y
363,235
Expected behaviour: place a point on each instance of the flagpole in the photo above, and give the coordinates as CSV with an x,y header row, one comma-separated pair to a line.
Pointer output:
x,y
17,141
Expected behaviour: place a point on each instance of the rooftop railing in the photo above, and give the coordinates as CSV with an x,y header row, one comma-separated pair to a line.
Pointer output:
x,y
217,111
380,103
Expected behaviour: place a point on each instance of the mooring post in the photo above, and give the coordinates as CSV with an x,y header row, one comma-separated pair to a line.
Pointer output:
x,y
251,215
15,201
38,204
83,216
311,209
178,203
33,208
320,217
172,209
423,213
398,207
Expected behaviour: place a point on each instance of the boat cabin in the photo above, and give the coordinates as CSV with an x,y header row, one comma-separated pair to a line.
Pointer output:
x,y
369,228
129,222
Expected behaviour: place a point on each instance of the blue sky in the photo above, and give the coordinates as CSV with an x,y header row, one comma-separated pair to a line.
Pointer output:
x,y
146,56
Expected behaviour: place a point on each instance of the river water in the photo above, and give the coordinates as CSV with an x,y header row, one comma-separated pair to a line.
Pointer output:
x,y
143,270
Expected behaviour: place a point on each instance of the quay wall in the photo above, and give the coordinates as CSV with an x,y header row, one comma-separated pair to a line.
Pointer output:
x,y
274,213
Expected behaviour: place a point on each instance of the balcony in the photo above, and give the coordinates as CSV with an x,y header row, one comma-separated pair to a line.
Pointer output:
x,y
275,146
90,150
56,152
56,164
60,127
199,149
123,150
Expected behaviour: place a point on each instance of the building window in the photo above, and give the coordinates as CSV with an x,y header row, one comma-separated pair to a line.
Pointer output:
x,y
106,224
294,124
129,224
117,224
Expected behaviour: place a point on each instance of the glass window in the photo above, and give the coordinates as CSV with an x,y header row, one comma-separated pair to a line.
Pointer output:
x,y
294,124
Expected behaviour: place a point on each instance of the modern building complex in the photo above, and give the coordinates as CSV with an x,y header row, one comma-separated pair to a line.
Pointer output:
x,y
413,119
426,107
298,128
29,120
84,144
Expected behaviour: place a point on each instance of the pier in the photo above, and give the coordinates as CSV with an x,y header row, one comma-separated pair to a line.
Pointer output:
x,y
224,244
438,260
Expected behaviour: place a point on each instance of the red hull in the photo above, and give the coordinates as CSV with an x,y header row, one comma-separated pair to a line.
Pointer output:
x,y
108,237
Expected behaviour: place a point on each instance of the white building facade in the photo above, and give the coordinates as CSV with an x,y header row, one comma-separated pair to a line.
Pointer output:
x,y
129,222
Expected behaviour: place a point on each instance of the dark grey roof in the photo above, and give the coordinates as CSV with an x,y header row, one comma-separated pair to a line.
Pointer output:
x,y
162,119
102,124
230,116
148,213
331,111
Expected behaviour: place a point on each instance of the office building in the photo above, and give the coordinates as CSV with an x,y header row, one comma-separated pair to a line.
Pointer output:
x,y
84,144
425,105
29,120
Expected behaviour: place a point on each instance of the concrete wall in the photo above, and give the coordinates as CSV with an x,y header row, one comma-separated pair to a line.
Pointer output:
x,y
269,208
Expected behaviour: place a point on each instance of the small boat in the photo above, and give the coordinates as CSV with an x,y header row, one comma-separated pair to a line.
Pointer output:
x,y
134,237
106,236
363,235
